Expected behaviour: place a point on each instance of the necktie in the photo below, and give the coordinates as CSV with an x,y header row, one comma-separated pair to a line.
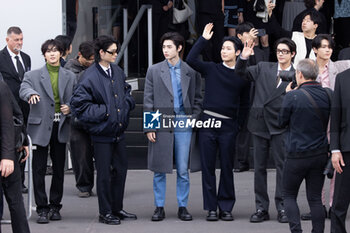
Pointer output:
x,y
109,72
20,69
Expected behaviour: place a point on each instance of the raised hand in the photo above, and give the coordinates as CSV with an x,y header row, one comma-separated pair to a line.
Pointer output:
x,y
207,32
253,33
248,49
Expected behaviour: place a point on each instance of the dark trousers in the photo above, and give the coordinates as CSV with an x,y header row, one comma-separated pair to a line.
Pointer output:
x,y
111,166
12,188
261,155
211,141
212,51
243,146
294,172
82,159
341,198
58,156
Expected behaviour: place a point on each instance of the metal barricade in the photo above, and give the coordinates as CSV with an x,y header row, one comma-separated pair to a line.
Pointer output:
x,y
30,183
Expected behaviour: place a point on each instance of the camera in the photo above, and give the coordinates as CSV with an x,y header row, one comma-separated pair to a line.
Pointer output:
x,y
288,76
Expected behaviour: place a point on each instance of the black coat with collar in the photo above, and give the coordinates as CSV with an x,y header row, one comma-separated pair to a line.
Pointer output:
x,y
263,116
10,75
340,113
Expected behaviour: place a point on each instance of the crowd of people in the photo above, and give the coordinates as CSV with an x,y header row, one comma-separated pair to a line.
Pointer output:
x,y
290,100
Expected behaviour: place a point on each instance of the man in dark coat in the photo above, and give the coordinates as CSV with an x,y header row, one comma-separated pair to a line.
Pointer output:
x,y
172,88
80,141
340,121
13,64
263,123
102,102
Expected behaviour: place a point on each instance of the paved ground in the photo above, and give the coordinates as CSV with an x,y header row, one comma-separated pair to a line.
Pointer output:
x,y
81,215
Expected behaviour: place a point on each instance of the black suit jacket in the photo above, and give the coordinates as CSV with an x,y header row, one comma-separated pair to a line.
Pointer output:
x,y
340,113
10,75
263,116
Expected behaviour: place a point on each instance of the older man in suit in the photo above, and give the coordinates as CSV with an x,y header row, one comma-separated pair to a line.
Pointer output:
x,y
263,122
340,147
173,88
48,91
13,64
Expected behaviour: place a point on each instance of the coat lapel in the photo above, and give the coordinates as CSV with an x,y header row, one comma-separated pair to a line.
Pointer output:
x,y
185,80
11,66
165,76
46,82
62,83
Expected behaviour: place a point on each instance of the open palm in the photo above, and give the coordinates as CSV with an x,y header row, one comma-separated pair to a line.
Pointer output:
x,y
207,32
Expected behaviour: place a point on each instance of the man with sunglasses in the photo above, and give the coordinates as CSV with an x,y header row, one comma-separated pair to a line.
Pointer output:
x,y
102,102
263,121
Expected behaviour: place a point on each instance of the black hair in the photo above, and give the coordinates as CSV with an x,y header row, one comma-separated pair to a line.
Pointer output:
x,y
103,42
244,27
236,42
14,30
291,45
317,41
66,41
51,43
87,49
314,17
309,3
175,37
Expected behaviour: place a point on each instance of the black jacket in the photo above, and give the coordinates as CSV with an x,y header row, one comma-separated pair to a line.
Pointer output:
x,y
307,132
10,75
102,103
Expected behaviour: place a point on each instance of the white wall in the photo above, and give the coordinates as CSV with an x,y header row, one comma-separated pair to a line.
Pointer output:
x,y
39,20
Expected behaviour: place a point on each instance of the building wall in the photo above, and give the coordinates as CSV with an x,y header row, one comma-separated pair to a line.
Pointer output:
x,y
39,20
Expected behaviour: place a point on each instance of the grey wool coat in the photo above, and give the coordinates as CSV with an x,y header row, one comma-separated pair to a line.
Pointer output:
x,y
41,115
158,94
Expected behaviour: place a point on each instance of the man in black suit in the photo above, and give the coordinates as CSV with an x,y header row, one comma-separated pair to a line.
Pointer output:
x,y
263,121
13,64
340,147
246,31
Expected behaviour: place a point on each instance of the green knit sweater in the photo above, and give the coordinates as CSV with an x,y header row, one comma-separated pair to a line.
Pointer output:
x,y
53,72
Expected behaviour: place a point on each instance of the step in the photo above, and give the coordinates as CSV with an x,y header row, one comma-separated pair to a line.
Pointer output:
x,y
138,96
135,138
135,124
138,111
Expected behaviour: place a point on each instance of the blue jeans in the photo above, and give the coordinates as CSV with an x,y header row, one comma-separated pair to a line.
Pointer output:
x,y
182,144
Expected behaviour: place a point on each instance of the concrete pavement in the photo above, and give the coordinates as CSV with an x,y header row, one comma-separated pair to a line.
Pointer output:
x,y
80,215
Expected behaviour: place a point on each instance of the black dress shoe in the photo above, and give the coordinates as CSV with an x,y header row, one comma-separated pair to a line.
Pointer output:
x,y
260,216
282,217
123,215
241,169
305,216
158,214
212,215
54,214
183,214
42,218
24,189
109,219
225,216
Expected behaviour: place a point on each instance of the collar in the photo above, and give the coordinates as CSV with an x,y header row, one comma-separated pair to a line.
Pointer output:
x,y
309,83
280,69
12,54
230,67
105,68
176,66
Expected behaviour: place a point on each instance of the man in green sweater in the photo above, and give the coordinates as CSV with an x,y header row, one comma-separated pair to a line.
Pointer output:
x,y
48,91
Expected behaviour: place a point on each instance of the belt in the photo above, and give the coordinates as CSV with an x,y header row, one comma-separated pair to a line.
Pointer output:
x,y
57,117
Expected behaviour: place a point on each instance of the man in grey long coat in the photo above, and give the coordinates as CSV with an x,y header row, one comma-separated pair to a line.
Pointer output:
x,y
48,91
172,89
